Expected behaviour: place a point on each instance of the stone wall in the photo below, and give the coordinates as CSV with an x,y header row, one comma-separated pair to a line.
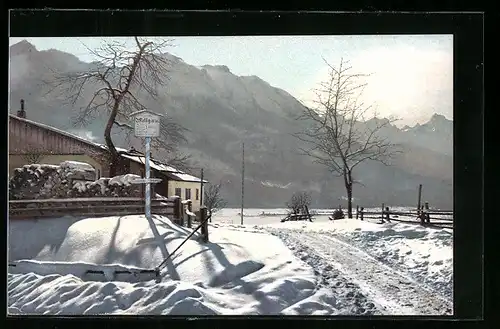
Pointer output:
x,y
69,179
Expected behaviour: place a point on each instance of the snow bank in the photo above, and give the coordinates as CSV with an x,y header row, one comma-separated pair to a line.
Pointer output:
x,y
110,272
237,272
426,253
68,295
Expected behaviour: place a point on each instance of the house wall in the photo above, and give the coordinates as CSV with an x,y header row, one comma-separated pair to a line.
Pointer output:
x,y
17,161
183,186
160,188
26,137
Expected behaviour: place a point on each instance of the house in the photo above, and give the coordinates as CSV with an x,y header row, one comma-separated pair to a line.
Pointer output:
x,y
186,186
34,142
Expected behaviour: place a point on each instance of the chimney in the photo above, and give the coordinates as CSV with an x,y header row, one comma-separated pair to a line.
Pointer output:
x,y
22,113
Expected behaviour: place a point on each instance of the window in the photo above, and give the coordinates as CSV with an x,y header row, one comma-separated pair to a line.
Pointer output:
x,y
178,192
188,194
98,173
197,194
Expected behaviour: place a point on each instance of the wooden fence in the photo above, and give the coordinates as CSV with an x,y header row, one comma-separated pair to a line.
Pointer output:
x,y
423,216
43,208
180,212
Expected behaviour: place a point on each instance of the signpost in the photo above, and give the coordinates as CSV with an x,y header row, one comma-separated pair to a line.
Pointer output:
x,y
146,181
147,124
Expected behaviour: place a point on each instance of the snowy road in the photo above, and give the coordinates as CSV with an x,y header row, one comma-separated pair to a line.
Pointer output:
x,y
371,286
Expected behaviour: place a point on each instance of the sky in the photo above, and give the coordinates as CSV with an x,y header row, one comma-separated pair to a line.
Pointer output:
x,y
411,76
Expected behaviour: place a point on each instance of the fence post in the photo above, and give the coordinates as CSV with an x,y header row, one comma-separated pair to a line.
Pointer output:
x,y
182,212
204,227
362,210
419,201
382,216
421,215
387,214
177,209
185,216
357,211
427,215
189,206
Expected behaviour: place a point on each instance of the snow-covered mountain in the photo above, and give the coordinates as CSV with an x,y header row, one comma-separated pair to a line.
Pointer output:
x,y
221,110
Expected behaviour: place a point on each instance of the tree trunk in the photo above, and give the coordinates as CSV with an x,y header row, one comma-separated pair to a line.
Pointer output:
x,y
113,166
349,200
116,166
348,187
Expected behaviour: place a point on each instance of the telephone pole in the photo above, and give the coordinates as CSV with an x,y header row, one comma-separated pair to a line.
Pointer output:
x,y
201,188
242,180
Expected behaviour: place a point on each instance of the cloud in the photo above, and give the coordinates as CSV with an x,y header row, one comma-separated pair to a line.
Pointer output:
x,y
406,82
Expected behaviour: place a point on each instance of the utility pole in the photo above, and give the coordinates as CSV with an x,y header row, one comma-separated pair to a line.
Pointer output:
x,y
242,180
201,192
201,188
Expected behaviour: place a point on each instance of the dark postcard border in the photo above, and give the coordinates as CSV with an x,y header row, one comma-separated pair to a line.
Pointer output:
x,y
53,23
468,91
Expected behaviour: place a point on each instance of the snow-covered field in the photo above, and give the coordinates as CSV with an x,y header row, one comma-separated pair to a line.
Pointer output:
x,y
345,267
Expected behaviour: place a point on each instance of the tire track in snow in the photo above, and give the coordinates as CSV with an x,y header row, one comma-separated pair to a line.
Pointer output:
x,y
390,290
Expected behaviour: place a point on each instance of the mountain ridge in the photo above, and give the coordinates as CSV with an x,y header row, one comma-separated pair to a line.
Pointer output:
x,y
236,109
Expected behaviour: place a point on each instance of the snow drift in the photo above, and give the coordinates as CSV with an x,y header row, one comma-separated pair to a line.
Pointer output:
x,y
238,272
319,268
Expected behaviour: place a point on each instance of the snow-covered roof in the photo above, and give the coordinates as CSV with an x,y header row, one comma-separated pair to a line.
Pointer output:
x,y
185,177
154,164
59,131
172,172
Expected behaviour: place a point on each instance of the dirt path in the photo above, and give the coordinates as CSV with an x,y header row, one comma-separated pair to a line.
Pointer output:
x,y
368,282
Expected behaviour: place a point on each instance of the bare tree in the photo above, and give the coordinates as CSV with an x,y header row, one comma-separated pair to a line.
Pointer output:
x,y
213,199
298,202
336,136
117,84
33,154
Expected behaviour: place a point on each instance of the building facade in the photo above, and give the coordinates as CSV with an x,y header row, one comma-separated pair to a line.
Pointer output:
x,y
33,142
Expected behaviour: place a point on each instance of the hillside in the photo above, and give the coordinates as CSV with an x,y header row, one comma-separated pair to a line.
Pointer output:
x,y
222,110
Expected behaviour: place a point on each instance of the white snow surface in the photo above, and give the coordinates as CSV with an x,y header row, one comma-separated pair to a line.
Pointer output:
x,y
123,179
238,272
345,267
76,165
